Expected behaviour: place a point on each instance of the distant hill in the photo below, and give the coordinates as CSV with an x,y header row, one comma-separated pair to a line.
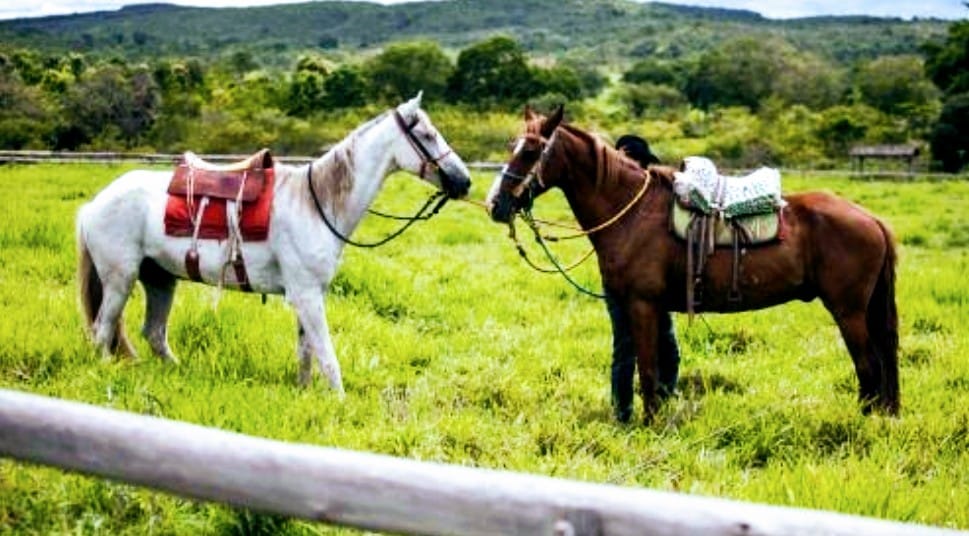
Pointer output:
x,y
609,29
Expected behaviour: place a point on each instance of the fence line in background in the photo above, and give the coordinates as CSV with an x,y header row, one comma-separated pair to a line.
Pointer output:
x,y
69,157
373,491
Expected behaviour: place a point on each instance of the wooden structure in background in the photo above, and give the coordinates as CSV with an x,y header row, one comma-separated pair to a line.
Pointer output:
x,y
897,152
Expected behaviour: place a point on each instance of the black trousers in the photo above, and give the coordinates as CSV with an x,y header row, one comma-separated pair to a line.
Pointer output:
x,y
624,357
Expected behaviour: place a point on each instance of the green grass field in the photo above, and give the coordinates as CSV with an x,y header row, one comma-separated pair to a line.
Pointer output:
x,y
453,350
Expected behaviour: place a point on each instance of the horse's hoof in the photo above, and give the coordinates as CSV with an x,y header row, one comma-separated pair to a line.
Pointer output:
x,y
305,378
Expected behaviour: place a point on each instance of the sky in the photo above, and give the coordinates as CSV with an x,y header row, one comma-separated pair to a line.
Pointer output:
x,y
943,9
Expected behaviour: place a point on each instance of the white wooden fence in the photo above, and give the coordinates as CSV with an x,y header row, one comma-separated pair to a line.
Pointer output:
x,y
374,491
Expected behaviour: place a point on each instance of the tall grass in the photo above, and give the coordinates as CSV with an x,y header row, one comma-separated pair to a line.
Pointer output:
x,y
454,351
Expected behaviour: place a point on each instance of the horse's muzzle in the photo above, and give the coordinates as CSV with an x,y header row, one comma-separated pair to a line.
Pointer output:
x,y
456,186
502,208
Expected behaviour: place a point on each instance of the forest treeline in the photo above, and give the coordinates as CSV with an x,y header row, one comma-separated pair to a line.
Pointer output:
x,y
746,97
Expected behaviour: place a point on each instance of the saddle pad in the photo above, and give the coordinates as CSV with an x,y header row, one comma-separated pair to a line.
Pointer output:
x,y
701,187
757,229
253,223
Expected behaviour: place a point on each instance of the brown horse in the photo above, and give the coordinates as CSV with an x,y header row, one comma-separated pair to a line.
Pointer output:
x,y
832,249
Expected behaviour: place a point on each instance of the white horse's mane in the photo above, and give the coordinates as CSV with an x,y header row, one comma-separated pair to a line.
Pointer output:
x,y
334,170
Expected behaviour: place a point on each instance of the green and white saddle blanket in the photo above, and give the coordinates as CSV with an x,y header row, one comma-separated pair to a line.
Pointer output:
x,y
700,187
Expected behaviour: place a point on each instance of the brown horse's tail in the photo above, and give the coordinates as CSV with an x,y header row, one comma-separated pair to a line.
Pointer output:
x,y
92,293
883,324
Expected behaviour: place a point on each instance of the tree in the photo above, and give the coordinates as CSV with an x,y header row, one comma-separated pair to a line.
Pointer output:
x,y
590,79
560,80
25,120
658,72
950,137
29,65
747,70
739,73
345,88
840,127
948,66
491,72
895,84
639,99
403,69
111,103
306,92
241,62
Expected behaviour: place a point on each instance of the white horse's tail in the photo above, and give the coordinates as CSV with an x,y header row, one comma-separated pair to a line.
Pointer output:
x,y
92,292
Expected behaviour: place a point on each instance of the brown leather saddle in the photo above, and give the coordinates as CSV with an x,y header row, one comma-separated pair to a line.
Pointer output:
x,y
707,221
232,185
239,181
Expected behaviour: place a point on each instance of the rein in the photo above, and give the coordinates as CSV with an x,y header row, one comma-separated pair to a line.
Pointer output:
x,y
426,158
527,216
438,196
586,232
533,224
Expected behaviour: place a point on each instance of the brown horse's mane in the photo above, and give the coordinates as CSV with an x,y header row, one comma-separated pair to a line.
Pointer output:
x,y
612,163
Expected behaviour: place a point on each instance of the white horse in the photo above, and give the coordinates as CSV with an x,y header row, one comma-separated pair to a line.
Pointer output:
x,y
121,235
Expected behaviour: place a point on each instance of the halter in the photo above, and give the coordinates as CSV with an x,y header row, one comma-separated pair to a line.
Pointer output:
x,y
422,152
440,196
525,183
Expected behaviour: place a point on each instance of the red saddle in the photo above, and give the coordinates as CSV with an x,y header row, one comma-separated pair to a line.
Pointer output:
x,y
250,182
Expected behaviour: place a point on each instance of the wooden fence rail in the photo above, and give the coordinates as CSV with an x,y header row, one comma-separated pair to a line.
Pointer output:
x,y
70,157
374,491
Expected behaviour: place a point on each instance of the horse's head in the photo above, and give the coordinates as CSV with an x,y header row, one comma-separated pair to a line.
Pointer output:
x,y
521,179
423,151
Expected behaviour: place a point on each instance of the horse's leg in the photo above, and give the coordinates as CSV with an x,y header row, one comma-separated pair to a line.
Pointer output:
x,y
305,354
108,332
854,330
644,318
159,295
309,305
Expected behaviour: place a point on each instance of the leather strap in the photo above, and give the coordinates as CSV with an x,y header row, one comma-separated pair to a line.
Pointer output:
x,y
192,265
734,295
242,277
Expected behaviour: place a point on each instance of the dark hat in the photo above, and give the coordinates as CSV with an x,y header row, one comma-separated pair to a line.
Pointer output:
x,y
636,148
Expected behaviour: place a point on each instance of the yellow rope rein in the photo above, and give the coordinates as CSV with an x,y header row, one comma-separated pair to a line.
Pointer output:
x,y
610,221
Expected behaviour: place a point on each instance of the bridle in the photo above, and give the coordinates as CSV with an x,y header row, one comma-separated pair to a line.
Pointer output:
x,y
422,152
529,185
426,159
526,192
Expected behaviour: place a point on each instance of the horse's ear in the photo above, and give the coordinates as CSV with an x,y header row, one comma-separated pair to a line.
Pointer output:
x,y
553,121
408,108
529,113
